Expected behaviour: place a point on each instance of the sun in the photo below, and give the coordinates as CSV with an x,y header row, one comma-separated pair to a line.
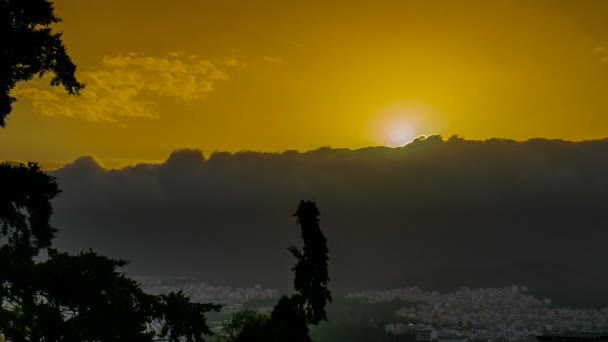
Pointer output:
x,y
400,134
397,125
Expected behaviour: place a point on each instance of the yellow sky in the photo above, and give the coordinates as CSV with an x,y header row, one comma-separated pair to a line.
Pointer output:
x,y
277,75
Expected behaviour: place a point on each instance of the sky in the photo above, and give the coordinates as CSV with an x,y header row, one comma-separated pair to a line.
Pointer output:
x,y
281,75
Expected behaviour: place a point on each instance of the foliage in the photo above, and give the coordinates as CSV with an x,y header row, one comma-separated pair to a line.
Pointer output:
x,y
83,297
30,48
311,274
25,208
248,319
182,319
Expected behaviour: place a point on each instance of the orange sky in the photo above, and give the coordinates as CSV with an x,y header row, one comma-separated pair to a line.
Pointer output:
x,y
277,75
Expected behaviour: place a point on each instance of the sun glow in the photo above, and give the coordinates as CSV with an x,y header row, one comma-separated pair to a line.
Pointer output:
x,y
398,125
400,134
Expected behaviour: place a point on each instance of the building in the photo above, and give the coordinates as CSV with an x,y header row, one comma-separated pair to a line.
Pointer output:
x,y
423,335
587,337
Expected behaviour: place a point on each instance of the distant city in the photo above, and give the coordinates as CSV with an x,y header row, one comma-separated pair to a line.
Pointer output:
x,y
231,298
467,314
486,314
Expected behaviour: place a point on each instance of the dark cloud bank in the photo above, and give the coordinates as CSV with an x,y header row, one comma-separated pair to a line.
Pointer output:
x,y
438,214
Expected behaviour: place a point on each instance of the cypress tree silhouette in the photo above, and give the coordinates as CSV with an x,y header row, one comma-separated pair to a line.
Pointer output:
x,y
292,315
311,274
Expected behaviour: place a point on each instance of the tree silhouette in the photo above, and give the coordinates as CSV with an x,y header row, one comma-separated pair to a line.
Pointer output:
x,y
291,316
311,274
29,47
73,298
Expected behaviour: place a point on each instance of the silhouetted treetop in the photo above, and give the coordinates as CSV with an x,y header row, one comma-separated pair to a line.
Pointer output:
x,y
29,47
311,274
25,207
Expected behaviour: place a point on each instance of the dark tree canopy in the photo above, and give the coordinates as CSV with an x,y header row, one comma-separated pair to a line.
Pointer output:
x,y
25,207
74,298
29,47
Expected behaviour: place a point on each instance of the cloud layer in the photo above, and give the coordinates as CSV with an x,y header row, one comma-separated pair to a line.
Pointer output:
x,y
126,86
434,213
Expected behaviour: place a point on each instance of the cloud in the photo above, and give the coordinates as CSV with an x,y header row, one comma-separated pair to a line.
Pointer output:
x,y
232,62
126,85
294,43
434,213
601,50
274,60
